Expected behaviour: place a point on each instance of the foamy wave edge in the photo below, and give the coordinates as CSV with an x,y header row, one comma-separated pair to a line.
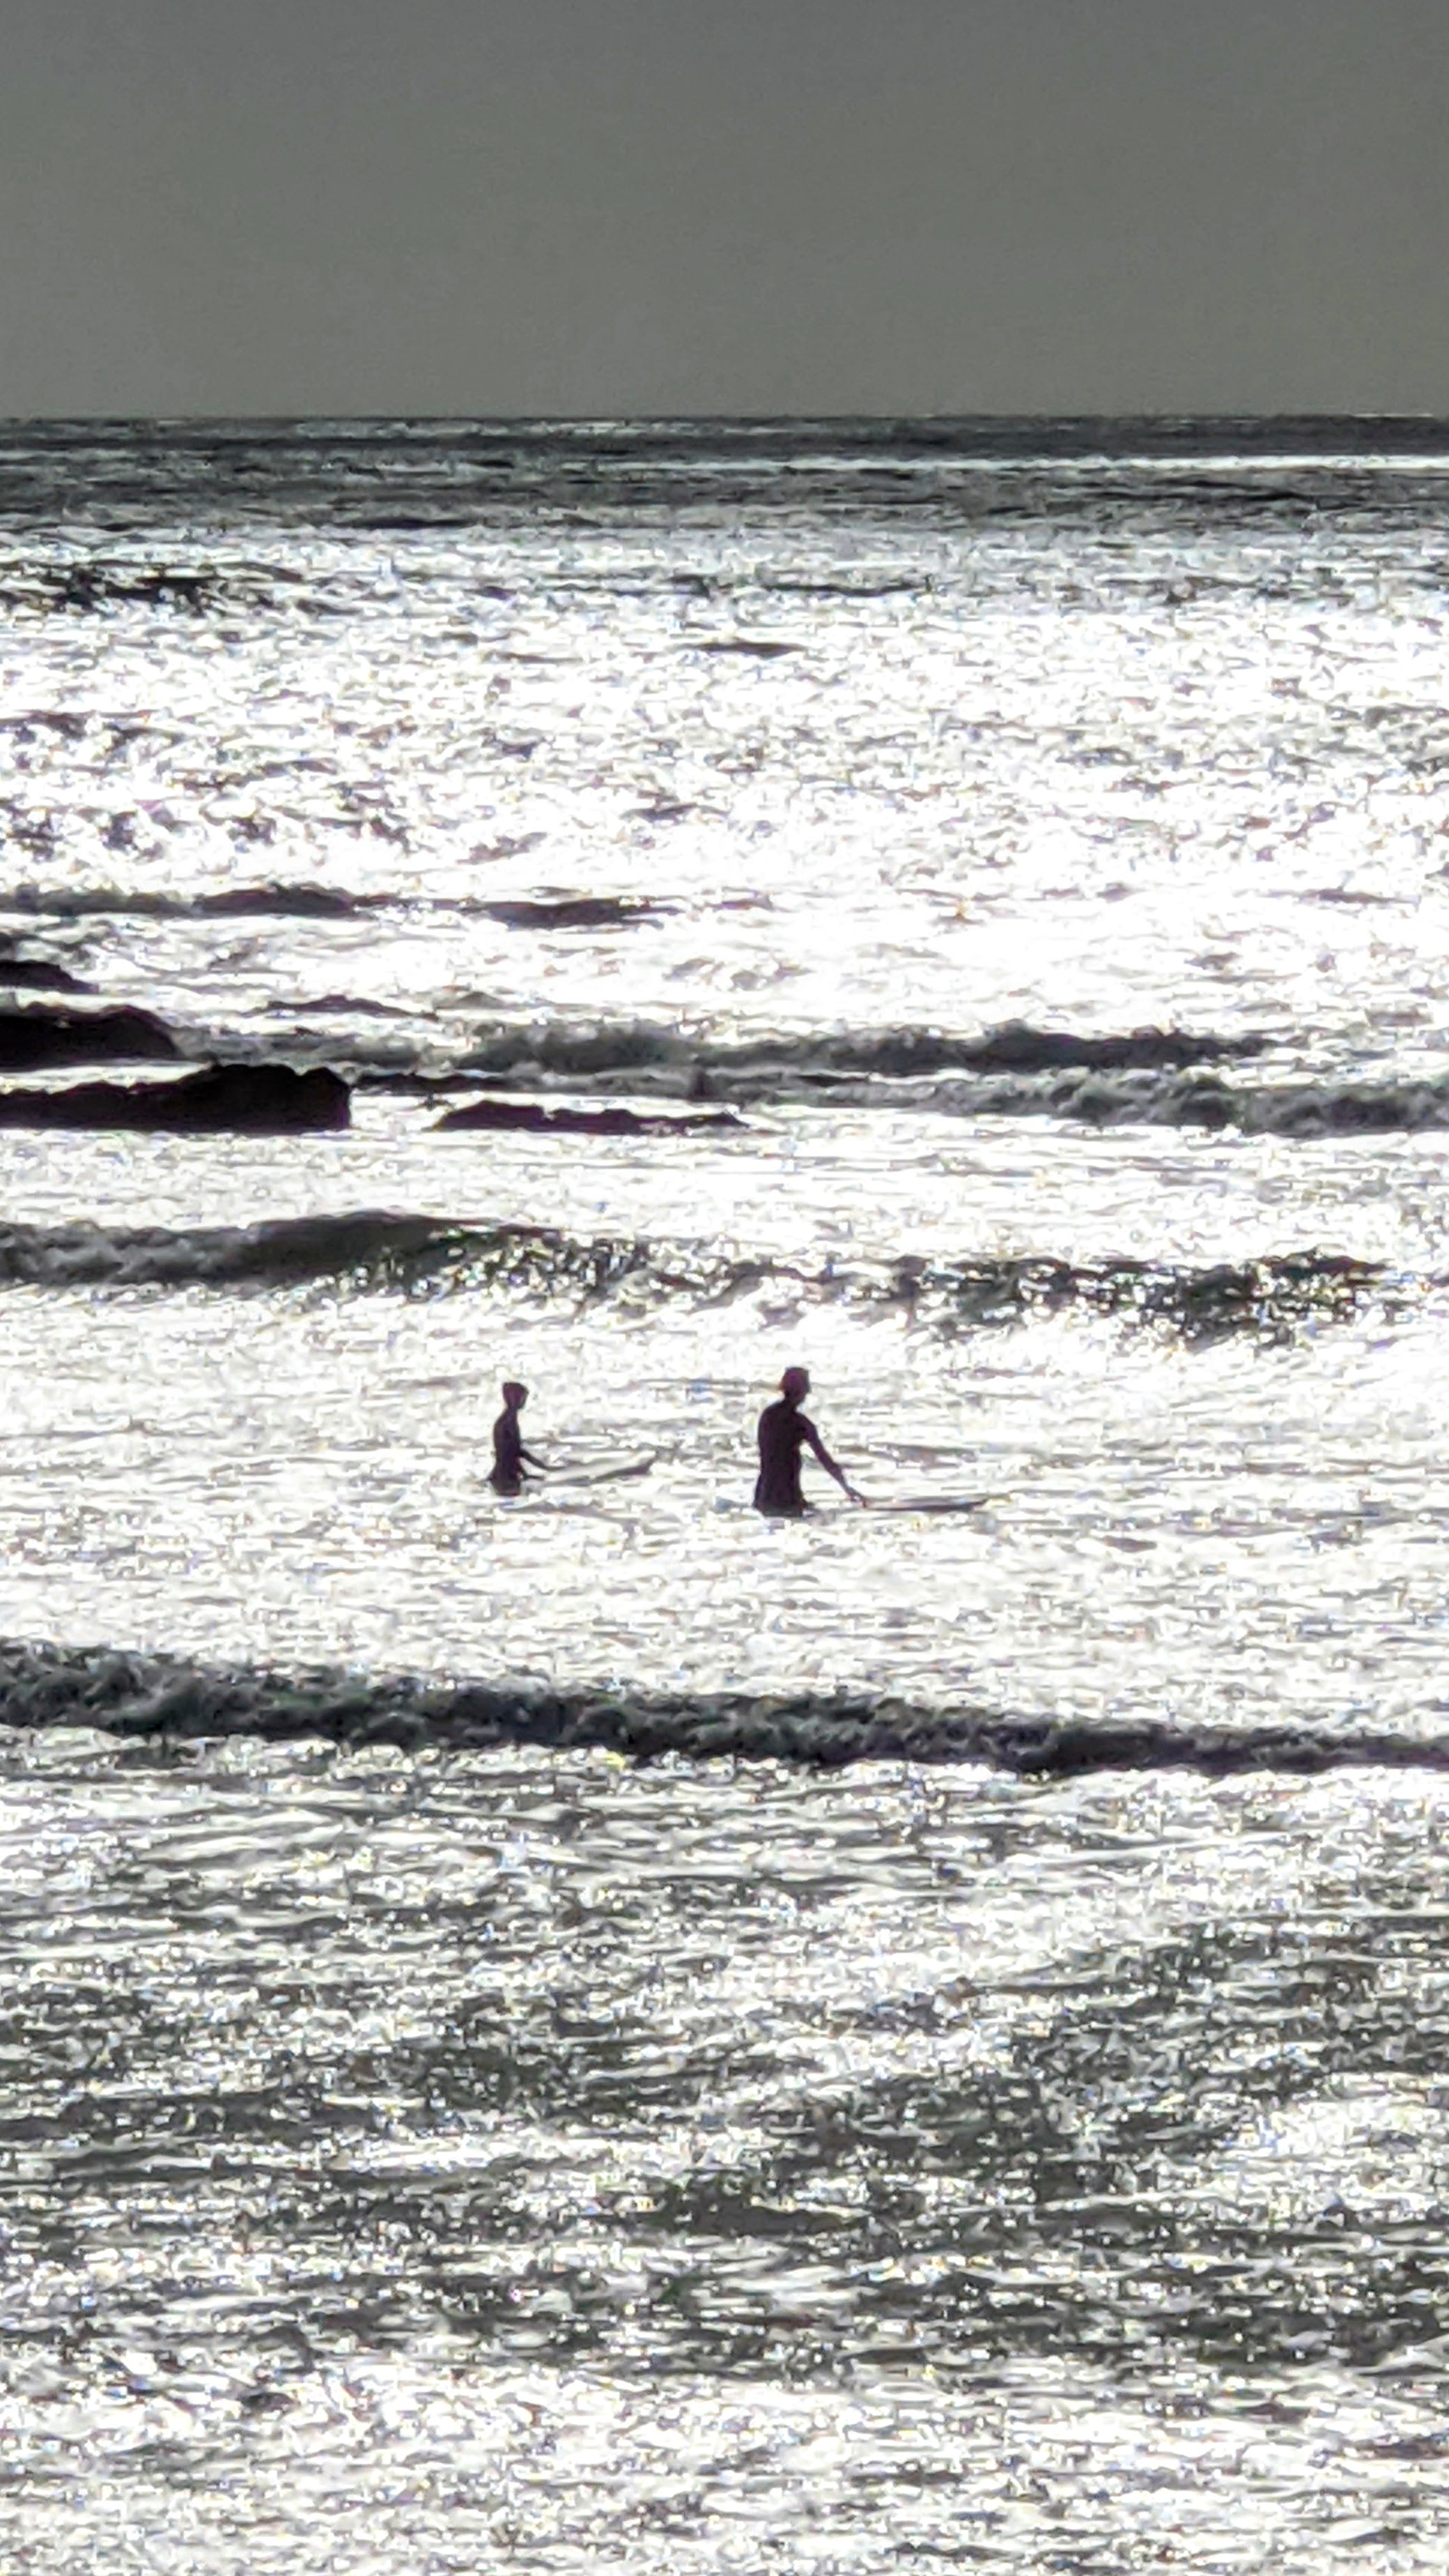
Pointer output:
x,y
155,1698
376,1251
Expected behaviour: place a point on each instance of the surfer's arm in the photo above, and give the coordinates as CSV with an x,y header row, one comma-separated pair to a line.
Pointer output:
x,y
530,1461
828,1463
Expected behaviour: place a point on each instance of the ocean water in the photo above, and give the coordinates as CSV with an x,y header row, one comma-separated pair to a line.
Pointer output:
x,y
596,2031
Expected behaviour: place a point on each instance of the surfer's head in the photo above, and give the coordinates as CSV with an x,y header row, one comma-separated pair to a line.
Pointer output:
x,y
514,1395
795,1385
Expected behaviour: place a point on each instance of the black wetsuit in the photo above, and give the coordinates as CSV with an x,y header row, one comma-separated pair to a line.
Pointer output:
x,y
784,1432
508,1455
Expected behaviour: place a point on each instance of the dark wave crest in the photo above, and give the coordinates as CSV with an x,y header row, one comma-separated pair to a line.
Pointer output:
x,y
159,1698
236,903
365,1250
1328,1106
193,590
635,1054
1269,1300
286,1251
1164,1078
1141,1077
387,1252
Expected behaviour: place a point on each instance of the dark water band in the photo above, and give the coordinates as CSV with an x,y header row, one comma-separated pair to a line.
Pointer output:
x,y
368,1251
157,1699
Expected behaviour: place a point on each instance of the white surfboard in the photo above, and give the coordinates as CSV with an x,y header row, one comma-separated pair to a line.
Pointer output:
x,y
564,1482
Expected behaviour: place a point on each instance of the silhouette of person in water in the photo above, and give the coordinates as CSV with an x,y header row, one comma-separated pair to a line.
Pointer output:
x,y
509,1454
784,1432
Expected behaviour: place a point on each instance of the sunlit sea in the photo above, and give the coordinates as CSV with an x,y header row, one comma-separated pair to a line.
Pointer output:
x,y
596,2031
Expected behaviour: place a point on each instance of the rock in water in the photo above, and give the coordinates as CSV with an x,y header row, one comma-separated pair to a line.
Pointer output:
x,y
573,912
34,1038
222,1100
38,974
527,1114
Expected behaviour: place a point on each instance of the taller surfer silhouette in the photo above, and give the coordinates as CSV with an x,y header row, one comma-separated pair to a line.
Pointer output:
x,y
784,1432
509,1454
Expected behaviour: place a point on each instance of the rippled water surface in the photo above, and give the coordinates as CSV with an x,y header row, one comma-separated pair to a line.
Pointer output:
x,y
597,2031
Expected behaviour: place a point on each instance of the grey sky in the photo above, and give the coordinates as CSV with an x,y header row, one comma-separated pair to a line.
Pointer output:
x,y
605,206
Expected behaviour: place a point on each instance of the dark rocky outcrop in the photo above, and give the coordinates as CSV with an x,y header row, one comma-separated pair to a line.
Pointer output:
x,y
222,1100
33,1039
763,648
572,912
39,975
351,1006
527,1115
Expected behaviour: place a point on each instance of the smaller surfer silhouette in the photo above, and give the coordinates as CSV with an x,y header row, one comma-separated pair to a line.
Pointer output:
x,y
509,1454
784,1432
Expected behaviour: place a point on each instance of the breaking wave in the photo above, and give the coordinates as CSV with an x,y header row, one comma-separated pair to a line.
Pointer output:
x,y
158,1698
371,1246
366,1249
1141,1077
1325,1107
384,1252
638,1054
